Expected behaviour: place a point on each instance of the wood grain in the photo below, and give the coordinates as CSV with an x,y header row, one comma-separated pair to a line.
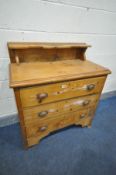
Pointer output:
x,y
34,132
21,117
47,45
32,115
60,91
49,72
55,86
32,52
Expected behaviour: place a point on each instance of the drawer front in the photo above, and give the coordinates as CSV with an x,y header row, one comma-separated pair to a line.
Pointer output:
x,y
34,96
44,128
52,110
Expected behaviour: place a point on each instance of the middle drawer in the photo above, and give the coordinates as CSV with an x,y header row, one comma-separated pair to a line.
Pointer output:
x,y
48,111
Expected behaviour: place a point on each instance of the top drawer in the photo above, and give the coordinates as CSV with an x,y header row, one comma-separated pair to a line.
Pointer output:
x,y
38,95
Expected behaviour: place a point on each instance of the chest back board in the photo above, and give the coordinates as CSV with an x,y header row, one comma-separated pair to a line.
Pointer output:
x,y
32,52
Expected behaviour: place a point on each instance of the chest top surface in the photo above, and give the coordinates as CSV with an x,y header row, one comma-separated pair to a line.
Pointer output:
x,y
41,63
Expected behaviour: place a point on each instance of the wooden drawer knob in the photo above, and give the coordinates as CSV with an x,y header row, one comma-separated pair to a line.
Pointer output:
x,y
43,128
90,87
86,102
82,116
40,97
43,113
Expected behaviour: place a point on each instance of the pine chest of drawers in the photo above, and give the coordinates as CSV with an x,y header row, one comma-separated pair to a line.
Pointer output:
x,y
55,86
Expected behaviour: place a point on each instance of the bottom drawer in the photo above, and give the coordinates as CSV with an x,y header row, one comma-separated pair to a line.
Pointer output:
x,y
36,131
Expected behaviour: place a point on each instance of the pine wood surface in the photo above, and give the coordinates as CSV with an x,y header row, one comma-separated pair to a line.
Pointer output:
x,y
51,110
25,45
60,91
55,86
81,117
21,117
27,74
